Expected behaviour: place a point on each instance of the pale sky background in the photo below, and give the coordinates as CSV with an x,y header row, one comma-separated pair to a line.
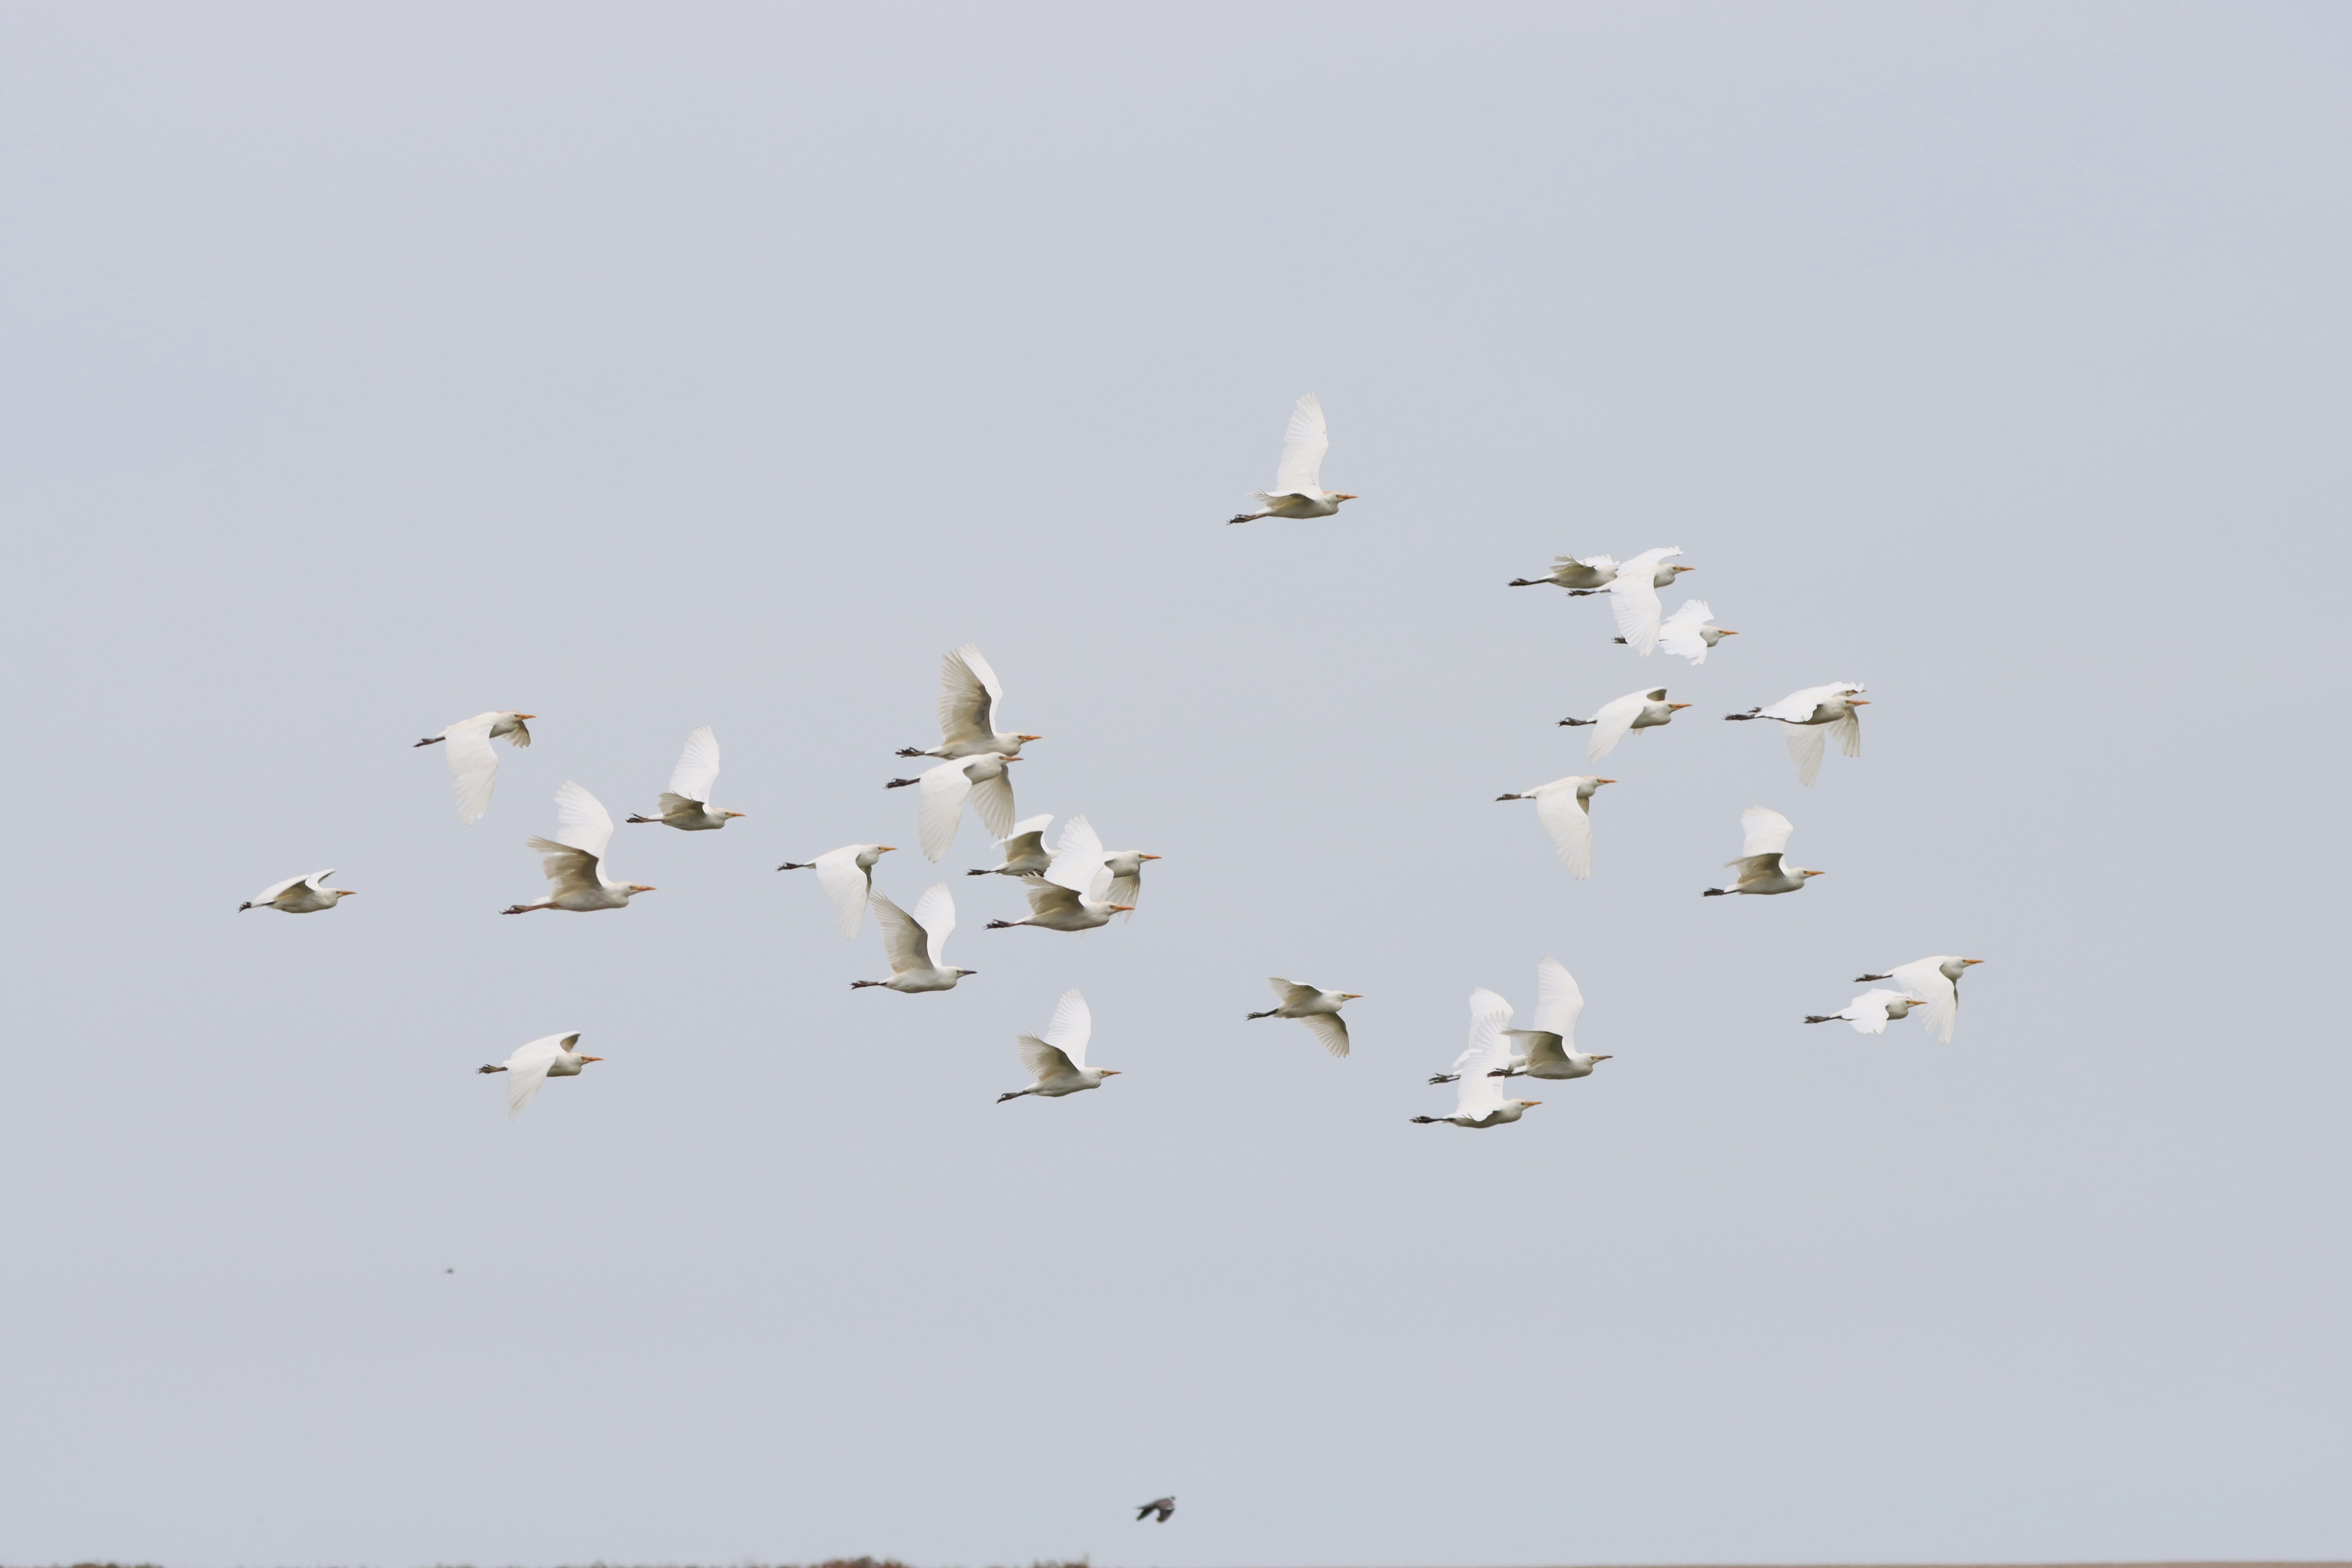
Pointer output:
x,y
369,366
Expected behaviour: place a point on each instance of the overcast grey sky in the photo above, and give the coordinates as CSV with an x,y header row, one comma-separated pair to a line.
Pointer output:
x,y
368,366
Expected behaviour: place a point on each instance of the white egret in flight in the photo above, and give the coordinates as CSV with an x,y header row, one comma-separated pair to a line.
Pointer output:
x,y
1059,1060
1809,717
573,861
1547,1050
473,766
297,895
969,694
687,802
1872,1011
532,1065
1025,854
939,809
1298,480
1761,866
917,944
847,874
1319,1010
1936,981
1617,720
1478,1098
1564,806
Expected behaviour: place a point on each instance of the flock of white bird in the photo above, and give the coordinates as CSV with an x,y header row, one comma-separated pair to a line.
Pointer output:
x,y
1078,885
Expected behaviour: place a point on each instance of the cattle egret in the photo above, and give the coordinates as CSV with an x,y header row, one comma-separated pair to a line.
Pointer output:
x,y
1112,876
1298,483
1056,906
1164,1507
1058,1062
1319,1010
687,802
297,895
969,694
1761,868
1805,715
1478,1098
1025,854
1634,710
1547,1050
1936,981
1564,806
847,874
944,790
534,1063
1577,577
1633,596
473,766
1685,633
1870,1012
915,945
573,861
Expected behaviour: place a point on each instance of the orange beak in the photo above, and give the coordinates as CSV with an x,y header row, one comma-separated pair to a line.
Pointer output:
x,y
641,888
1603,1059
1968,961
1111,1072
1531,1103
1604,781
1857,701
730,814
1026,738
526,715
1725,632
1122,907
1675,707
884,849
1147,857
354,892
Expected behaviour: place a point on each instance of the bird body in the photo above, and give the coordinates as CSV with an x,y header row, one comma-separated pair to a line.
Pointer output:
x,y
1761,865
1586,576
687,802
1547,1050
1055,905
298,895
969,694
1478,1101
980,779
1319,1010
1633,596
1936,981
915,945
1872,1011
573,861
1617,720
1299,479
1686,635
551,1055
1057,1060
1113,877
1025,854
1812,715
847,874
1164,1507
473,765
1564,806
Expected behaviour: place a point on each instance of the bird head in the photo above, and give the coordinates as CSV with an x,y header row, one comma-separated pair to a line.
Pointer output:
x,y
641,888
730,814
1677,707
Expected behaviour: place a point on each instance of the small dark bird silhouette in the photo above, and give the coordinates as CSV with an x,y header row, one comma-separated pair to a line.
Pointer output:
x,y
1164,1507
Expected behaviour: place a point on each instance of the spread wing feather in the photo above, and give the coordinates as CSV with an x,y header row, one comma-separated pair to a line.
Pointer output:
x,y
697,767
1300,472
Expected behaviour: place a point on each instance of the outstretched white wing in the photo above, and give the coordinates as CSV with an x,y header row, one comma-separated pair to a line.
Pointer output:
x,y
1077,857
1798,706
697,767
1564,817
1805,744
838,872
1867,1012
935,913
1633,596
1764,832
1330,1029
902,938
1303,445
1474,1093
1043,1060
1678,634
1072,1027
1848,731
992,801
1559,1002
527,1070
568,870
582,821
473,765
969,694
316,879
943,789
1611,724
1924,978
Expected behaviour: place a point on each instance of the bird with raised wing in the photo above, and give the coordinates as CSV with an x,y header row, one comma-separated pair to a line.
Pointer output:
x,y
1479,1102
1055,905
297,895
1319,1010
915,945
1549,1050
1113,877
1564,807
1057,1061
687,802
1686,635
939,809
473,765
1025,854
573,861
1872,1011
1619,719
1633,596
551,1055
969,694
847,874
1164,1507
1809,717
1761,865
1299,479
1579,577
1936,981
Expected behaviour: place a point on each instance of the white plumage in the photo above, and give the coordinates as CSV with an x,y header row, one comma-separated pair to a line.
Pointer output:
x,y
1057,1061
1618,719
1319,1010
1871,1012
1564,807
686,805
1478,1098
1113,877
298,895
551,1055
1686,635
573,861
915,945
847,874
969,694
1025,854
473,765
943,790
1936,981
1762,866
1633,596
1809,717
1299,479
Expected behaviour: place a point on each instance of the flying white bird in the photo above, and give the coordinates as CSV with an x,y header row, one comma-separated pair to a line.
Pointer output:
x,y
1163,1506
1579,577
1936,981
1319,1010
1870,1012
847,874
1112,876
1058,1062
1761,868
1055,905
297,895
1478,1098
1633,596
473,766
1547,1050
1805,713
1615,721
1685,633
1564,806
534,1063
573,861
1025,854
917,944
687,802
944,790
969,694
1298,482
